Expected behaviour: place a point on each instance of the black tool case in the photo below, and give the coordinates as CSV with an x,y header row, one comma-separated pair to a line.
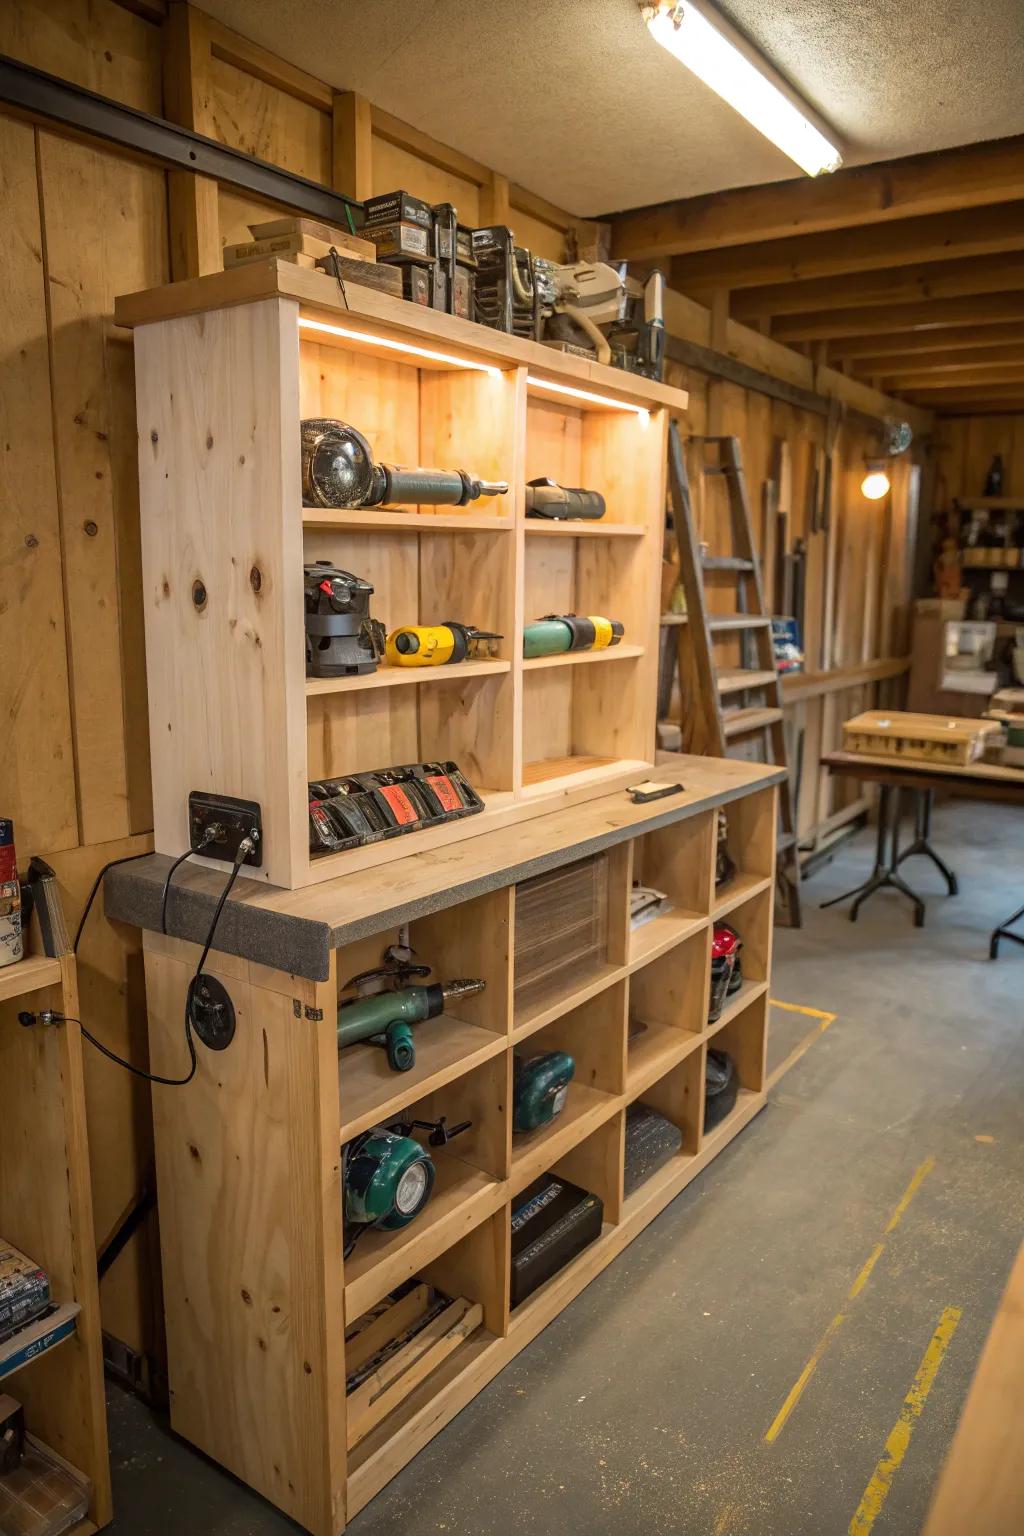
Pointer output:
x,y
552,1221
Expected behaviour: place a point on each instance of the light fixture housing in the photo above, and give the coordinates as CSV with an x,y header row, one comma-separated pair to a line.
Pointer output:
x,y
607,401
391,345
690,34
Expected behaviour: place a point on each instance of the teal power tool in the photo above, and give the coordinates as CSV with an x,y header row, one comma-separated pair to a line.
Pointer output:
x,y
539,1088
555,633
388,1006
389,1176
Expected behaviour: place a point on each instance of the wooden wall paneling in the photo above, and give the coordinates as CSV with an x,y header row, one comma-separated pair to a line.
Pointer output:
x,y
89,261
394,166
258,118
97,44
192,200
35,700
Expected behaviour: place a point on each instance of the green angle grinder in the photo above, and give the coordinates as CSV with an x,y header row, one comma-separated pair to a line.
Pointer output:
x,y
540,1085
569,632
388,1006
388,1176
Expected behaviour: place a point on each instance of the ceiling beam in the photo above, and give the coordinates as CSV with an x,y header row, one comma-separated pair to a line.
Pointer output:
x,y
997,374
1010,398
984,309
939,362
969,177
937,237
919,343
910,285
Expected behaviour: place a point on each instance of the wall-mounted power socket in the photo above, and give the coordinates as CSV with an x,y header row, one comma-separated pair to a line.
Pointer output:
x,y
230,819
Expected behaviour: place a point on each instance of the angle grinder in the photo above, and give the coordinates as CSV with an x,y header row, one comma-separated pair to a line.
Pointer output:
x,y
556,633
338,471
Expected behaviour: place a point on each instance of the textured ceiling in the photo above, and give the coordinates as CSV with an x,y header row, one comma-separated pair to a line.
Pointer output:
x,y
573,100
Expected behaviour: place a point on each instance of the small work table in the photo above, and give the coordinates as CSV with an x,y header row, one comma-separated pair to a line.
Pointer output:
x,y
977,781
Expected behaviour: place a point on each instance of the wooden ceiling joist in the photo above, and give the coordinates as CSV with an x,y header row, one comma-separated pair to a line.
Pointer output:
x,y
895,285
969,177
945,339
876,319
972,401
937,237
993,376
951,361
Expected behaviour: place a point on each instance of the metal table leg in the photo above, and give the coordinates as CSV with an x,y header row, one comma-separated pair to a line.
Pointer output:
x,y
924,802
885,871
1003,932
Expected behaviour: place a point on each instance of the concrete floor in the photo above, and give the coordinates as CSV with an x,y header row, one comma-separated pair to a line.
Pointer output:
x,y
644,1407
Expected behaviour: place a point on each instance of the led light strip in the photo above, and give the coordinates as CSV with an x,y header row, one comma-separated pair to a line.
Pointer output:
x,y
398,346
585,394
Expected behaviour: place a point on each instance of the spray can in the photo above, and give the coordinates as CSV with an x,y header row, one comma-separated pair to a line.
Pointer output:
x,y
11,942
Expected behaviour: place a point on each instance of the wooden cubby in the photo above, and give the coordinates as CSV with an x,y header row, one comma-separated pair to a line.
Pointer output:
x,y
259,1296
46,1211
225,535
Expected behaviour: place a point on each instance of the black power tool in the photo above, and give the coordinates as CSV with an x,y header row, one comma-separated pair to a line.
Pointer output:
x,y
341,638
338,471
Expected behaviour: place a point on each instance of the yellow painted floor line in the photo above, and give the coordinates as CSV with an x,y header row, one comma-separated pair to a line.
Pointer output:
x,y
797,1389
877,1490
824,1020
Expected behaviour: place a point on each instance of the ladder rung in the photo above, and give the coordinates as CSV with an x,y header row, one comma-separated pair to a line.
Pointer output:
x,y
726,563
726,621
735,679
785,841
742,721
668,619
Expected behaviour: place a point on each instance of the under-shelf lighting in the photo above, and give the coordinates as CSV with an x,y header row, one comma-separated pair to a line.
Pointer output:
x,y
693,39
398,346
587,394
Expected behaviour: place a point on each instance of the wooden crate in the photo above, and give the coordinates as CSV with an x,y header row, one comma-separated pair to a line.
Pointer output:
x,y
921,738
259,1295
226,367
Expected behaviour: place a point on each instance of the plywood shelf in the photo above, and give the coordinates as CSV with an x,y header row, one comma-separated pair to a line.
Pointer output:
x,y
535,1151
376,520
371,1093
549,775
583,529
28,975
621,652
527,1020
396,677
663,933
463,1196
654,1052
738,890
748,993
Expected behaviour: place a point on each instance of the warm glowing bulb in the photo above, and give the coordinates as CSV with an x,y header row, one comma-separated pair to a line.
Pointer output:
x,y
875,484
690,37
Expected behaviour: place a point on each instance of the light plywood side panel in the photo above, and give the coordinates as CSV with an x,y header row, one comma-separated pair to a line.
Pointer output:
x,y
219,463
378,397
361,731
90,197
547,713
248,1161
554,442
35,703
46,1210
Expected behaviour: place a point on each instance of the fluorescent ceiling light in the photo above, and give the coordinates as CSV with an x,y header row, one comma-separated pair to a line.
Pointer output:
x,y
691,38
586,394
398,346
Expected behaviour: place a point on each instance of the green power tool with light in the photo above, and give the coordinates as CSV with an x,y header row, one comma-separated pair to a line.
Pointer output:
x,y
556,633
540,1085
387,1005
388,1176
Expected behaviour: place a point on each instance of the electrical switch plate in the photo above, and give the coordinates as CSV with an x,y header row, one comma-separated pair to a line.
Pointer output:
x,y
234,818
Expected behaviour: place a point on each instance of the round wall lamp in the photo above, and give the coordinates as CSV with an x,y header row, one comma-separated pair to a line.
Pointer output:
x,y
875,483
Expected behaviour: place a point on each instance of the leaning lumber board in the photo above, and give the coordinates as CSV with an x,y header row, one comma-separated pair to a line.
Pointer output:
x,y
364,1343
376,1398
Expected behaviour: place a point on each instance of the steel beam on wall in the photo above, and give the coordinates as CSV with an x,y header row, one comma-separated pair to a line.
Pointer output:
x,y
45,97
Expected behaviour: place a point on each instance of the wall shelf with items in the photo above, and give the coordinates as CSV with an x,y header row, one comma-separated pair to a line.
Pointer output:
x,y
567,974
256,350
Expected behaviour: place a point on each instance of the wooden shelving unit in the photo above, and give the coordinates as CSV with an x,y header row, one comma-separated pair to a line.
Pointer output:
x,y
254,351
46,1211
258,1294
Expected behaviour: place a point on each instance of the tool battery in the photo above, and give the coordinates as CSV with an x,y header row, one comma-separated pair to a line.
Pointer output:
x,y
364,808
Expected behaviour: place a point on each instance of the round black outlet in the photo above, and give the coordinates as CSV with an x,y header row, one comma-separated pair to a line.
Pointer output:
x,y
213,1013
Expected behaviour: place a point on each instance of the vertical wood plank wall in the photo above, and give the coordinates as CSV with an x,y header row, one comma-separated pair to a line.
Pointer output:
x,y
83,224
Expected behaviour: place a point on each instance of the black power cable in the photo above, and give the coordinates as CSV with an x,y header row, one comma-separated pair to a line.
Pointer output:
x,y
49,1017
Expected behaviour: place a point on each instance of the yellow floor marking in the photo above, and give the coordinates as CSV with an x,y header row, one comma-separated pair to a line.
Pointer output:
x,y
812,1013
824,1020
987,1140
796,1390
877,1490
725,1519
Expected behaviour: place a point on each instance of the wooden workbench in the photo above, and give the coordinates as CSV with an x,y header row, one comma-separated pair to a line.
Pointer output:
x,y
259,1294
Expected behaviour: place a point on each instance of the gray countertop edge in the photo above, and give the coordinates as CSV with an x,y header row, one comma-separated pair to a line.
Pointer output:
x,y
301,946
